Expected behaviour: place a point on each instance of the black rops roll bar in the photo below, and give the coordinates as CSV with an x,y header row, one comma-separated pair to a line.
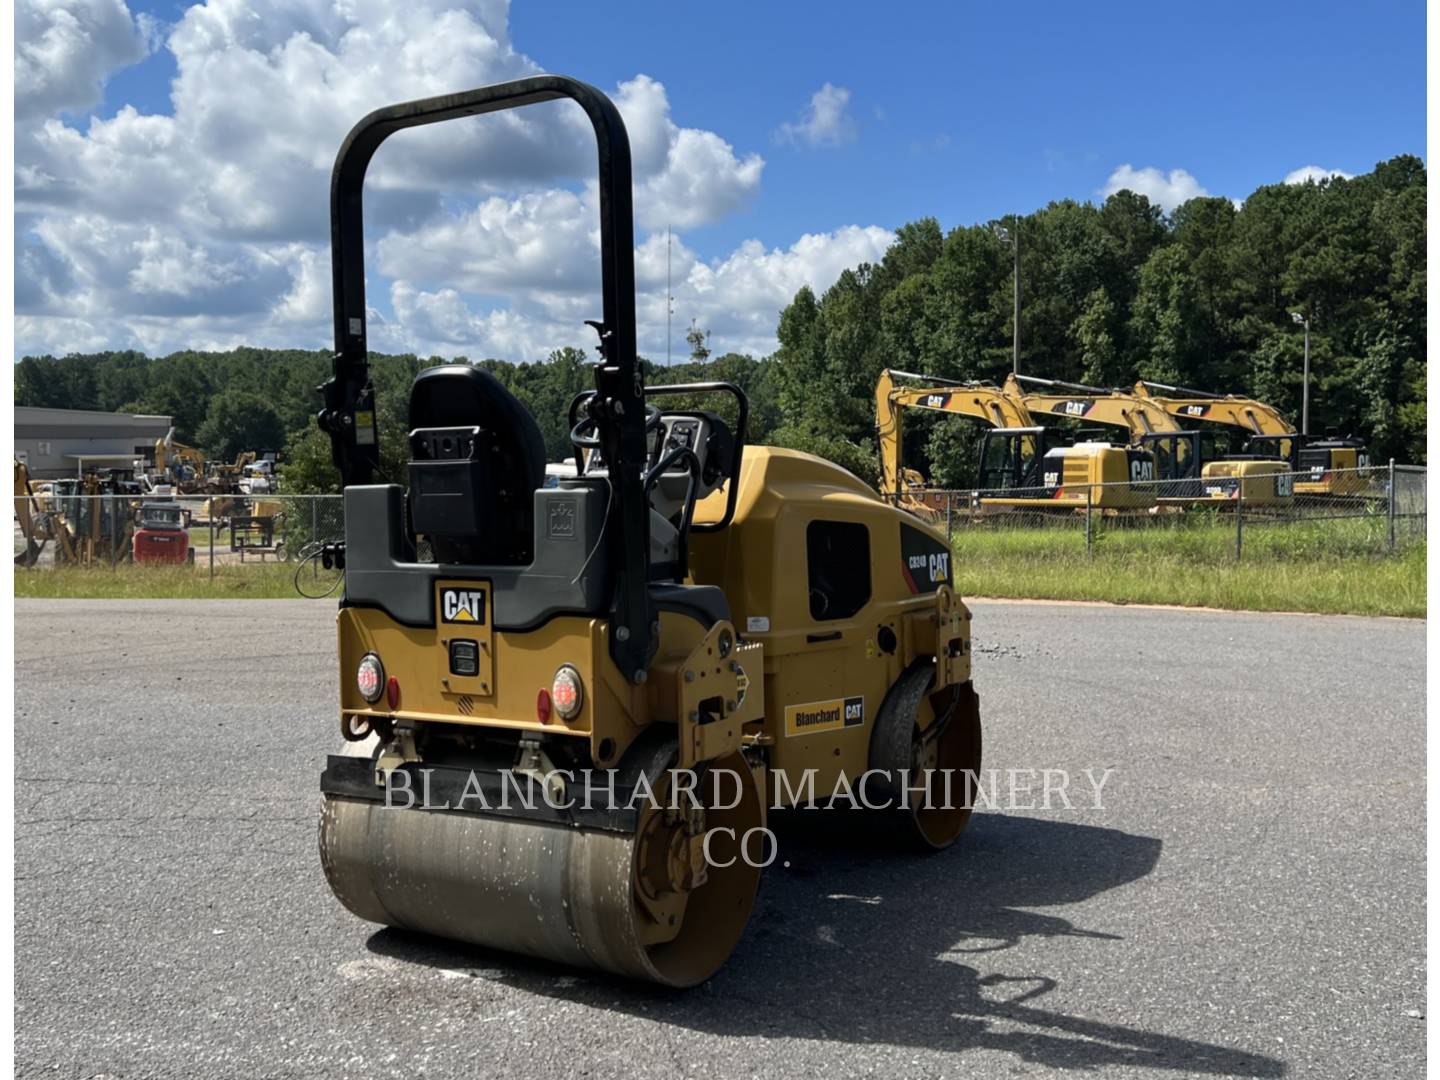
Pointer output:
x,y
618,405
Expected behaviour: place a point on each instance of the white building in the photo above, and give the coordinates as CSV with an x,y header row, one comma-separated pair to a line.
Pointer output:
x,y
65,442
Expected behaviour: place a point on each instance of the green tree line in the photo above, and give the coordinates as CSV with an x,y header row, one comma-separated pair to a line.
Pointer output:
x,y
1118,292
1110,293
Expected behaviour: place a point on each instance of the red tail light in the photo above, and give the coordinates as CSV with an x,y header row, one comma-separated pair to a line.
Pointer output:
x,y
370,677
567,692
542,706
392,692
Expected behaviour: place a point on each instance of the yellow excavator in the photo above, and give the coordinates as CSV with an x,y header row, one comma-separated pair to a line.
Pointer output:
x,y
180,465
1328,467
1033,463
1187,465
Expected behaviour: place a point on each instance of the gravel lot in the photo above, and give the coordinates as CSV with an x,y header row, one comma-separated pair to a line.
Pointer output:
x,y
1249,902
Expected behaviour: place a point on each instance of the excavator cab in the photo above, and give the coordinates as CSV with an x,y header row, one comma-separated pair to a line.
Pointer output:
x,y
1180,459
1012,459
1284,447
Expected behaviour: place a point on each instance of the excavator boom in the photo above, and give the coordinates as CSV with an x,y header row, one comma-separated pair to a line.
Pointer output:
x,y
1073,401
978,401
1028,463
1230,409
1331,467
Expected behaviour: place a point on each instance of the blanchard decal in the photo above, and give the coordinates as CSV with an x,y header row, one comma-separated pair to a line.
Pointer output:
x,y
830,715
462,605
925,561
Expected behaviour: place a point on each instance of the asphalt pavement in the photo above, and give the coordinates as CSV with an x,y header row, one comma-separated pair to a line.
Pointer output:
x,y
1249,901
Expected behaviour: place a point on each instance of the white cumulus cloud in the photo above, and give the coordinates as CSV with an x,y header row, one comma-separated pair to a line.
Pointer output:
x,y
825,121
1313,174
206,226
737,298
1167,190
66,49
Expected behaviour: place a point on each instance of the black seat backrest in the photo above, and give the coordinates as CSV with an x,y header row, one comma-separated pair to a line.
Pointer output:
x,y
477,457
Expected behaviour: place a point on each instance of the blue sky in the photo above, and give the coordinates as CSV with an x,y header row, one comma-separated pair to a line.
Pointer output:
x,y
962,111
969,111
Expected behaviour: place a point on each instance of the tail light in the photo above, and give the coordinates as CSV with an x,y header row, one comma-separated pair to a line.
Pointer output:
x,y
567,692
370,678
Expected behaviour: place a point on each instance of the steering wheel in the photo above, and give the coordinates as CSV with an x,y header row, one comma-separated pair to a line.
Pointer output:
x,y
582,437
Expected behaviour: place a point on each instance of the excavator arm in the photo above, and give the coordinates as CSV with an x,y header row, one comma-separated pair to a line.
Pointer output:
x,y
1135,414
1245,413
170,452
978,401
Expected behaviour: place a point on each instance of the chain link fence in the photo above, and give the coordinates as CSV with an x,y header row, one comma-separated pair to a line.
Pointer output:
x,y
58,530
1369,511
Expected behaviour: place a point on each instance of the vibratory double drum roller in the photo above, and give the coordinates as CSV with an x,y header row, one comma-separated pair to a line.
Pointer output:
x,y
564,726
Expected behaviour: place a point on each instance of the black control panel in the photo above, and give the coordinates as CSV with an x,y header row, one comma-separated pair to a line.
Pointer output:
x,y
682,433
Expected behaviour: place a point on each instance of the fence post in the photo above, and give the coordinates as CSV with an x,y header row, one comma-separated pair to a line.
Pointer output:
x,y
1390,507
1089,505
210,521
1239,513
114,527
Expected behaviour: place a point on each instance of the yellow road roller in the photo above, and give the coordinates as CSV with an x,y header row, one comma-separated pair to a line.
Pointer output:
x,y
568,711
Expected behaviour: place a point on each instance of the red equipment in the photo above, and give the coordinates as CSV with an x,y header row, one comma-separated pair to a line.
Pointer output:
x,y
161,536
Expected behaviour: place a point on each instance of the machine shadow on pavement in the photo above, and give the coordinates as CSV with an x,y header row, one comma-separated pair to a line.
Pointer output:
x,y
850,943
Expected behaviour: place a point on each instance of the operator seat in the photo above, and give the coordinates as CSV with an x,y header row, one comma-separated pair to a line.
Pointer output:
x,y
476,459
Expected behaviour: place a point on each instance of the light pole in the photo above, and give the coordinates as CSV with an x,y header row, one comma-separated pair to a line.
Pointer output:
x,y
1301,320
1005,236
669,297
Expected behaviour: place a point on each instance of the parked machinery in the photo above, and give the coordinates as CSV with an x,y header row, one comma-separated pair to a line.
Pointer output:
x,y
1028,465
254,525
684,601
160,534
39,525
261,476
1188,467
89,519
1332,467
180,466
224,478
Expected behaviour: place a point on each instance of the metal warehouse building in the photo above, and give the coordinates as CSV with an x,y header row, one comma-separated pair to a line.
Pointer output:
x,y
65,442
